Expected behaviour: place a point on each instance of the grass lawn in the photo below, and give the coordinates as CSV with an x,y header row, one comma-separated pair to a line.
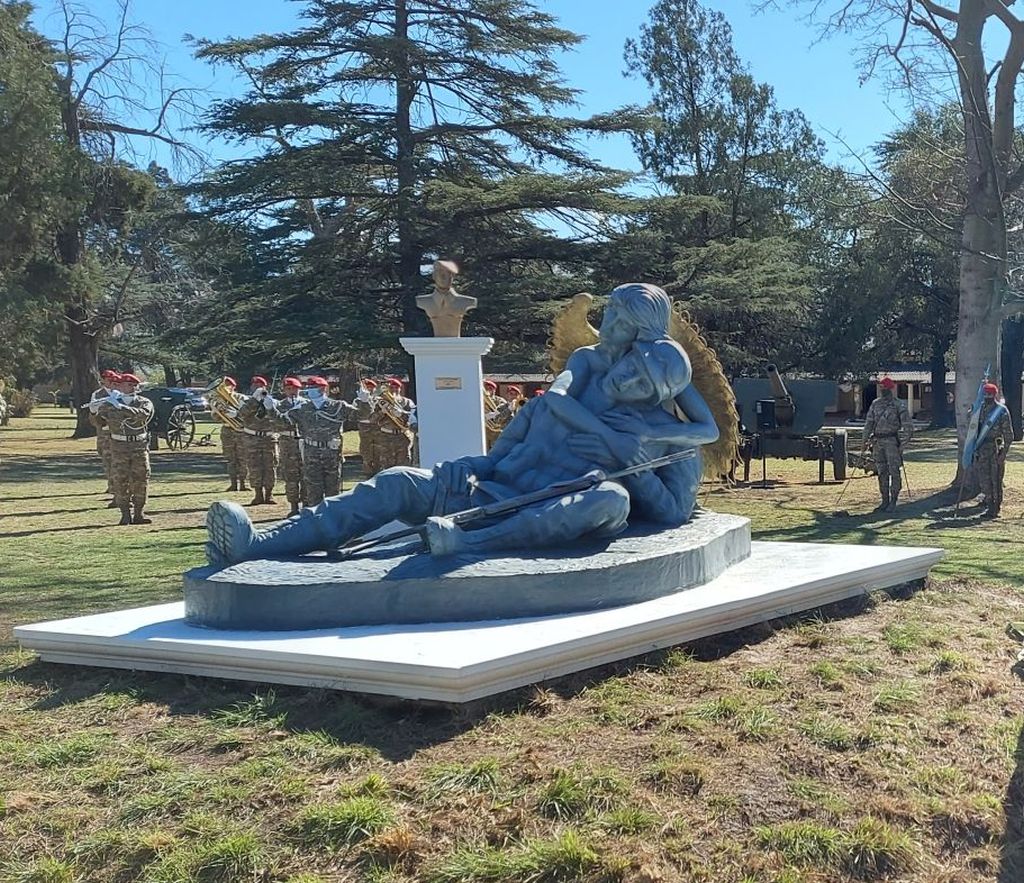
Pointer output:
x,y
876,740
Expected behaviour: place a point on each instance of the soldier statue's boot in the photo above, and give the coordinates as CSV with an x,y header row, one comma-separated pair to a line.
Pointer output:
x,y
232,537
257,499
140,516
126,515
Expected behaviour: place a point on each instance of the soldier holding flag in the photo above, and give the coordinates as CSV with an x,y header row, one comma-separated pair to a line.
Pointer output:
x,y
991,447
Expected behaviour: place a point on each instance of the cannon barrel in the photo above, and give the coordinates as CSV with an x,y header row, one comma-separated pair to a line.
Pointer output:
x,y
785,410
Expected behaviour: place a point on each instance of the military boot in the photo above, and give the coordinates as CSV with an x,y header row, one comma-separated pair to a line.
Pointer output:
x,y
126,515
242,486
234,485
257,499
881,507
140,516
232,537
294,510
268,499
892,501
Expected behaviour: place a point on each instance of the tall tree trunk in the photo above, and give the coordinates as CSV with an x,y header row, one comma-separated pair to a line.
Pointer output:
x,y
170,376
942,414
83,346
1011,366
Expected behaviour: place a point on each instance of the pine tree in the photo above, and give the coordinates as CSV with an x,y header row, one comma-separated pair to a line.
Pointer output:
x,y
395,132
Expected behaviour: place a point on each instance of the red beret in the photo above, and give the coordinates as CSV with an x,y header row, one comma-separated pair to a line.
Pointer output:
x,y
539,392
491,385
369,383
990,389
258,380
129,378
396,383
230,381
292,382
108,374
317,381
514,391
888,383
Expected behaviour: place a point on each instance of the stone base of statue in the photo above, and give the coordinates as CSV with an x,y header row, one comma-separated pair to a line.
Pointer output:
x,y
462,661
449,396
400,585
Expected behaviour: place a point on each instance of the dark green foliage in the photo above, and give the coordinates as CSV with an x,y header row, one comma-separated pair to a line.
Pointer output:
x,y
394,134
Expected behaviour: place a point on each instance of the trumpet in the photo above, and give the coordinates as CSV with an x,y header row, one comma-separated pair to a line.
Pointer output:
x,y
224,403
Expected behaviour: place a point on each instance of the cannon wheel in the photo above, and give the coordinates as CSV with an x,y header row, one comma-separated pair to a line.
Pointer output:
x,y
839,455
181,427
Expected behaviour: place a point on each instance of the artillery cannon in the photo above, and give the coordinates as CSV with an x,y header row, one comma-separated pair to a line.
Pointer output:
x,y
785,422
173,419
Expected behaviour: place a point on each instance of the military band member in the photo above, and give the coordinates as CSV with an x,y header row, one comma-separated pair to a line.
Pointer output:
x,y
232,441
320,421
108,378
496,412
369,441
128,415
995,434
395,420
259,425
290,451
887,429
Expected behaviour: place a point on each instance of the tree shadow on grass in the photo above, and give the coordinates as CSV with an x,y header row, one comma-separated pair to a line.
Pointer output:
x,y
396,728
1011,864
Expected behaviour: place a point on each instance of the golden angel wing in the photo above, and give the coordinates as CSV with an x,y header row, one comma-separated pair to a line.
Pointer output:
x,y
710,381
571,330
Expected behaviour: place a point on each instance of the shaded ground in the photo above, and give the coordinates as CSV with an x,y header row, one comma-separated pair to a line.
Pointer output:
x,y
880,739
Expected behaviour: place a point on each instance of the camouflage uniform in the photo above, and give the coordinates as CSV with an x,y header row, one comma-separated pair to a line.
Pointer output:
x,y
129,454
888,428
395,442
990,457
369,436
232,445
261,448
102,436
290,451
320,431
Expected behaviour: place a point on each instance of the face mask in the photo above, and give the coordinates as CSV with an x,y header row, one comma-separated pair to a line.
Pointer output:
x,y
128,397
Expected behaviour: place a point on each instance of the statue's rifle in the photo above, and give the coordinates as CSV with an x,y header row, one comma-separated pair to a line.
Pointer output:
x,y
514,504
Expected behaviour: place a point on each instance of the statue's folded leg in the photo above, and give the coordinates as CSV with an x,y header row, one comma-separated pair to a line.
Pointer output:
x,y
402,493
599,512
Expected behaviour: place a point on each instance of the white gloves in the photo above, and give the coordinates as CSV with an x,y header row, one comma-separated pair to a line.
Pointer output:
x,y
363,395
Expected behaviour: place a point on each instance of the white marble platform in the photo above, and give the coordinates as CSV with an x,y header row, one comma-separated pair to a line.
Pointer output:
x,y
458,662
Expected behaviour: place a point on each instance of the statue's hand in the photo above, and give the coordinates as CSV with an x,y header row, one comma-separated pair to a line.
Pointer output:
x,y
627,449
626,422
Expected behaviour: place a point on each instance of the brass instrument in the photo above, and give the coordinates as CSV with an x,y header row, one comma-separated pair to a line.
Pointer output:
x,y
496,414
392,411
222,398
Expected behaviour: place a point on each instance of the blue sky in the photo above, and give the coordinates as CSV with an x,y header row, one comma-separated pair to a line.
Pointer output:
x,y
819,78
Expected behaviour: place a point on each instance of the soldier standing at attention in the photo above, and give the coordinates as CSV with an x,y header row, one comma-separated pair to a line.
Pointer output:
x,y
320,421
128,415
109,378
369,444
290,450
395,419
259,423
995,434
232,441
887,429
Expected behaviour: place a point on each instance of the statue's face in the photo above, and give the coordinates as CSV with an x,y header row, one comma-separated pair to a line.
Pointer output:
x,y
443,277
616,329
628,381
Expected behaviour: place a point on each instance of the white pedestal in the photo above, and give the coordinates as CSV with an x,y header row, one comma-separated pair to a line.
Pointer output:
x,y
449,396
